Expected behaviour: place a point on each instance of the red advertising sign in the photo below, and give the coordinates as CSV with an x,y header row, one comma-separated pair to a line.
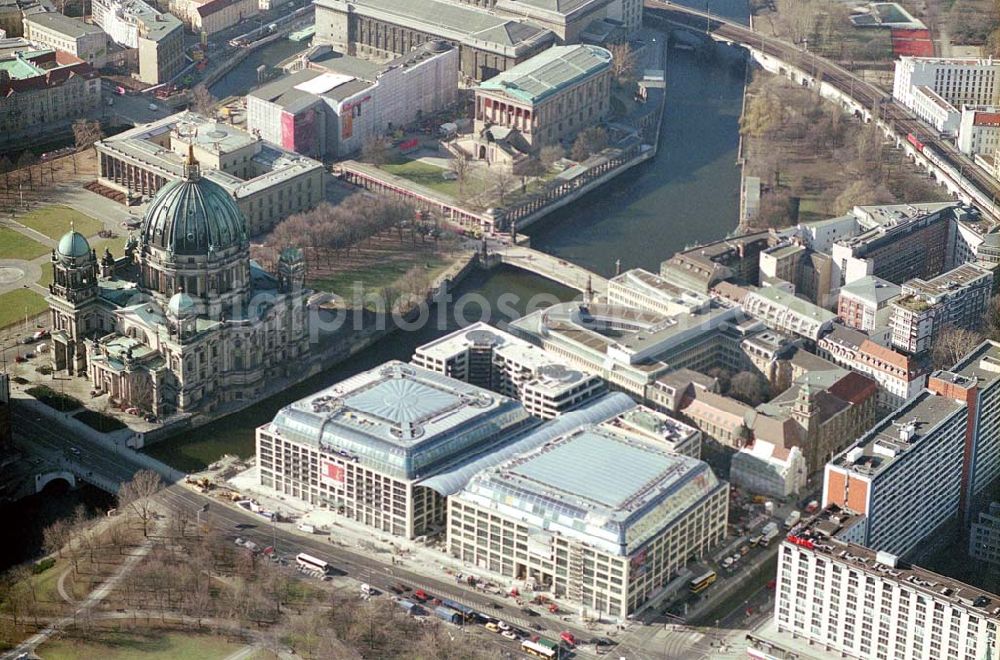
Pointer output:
x,y
332,474
798,540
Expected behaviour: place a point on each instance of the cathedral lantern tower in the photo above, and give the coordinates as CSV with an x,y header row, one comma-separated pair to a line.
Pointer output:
x,y
72,301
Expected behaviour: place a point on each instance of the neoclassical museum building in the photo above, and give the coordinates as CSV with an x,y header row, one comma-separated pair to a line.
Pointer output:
x,y
184,321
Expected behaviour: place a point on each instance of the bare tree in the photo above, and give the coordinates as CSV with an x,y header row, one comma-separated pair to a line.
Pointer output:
x,y
460,166
622,62
137,496
54,537
951,345
202,100
85,134
376,150
550,155
504,182
589,141
25,161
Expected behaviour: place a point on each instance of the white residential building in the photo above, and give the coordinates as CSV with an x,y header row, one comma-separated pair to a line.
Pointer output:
x,y
784,311
929,106
644,290
958,82
979,130
848,599
71,35
899,377
485,356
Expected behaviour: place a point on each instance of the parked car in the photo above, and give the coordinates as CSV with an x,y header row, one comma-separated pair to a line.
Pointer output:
x,y
727,562
502,625
492,626
509,634
153,106
421,595
40,334
75,451
568,637
240,540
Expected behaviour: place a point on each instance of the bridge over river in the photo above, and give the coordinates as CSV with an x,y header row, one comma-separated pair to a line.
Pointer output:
x,y
553,268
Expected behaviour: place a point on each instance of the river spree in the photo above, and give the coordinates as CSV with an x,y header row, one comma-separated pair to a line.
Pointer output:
x,y
688,194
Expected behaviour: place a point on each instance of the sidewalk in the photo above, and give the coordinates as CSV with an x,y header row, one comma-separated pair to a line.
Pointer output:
x,y
429,560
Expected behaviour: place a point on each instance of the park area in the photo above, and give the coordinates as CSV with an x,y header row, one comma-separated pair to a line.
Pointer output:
x,y
815,162
144,645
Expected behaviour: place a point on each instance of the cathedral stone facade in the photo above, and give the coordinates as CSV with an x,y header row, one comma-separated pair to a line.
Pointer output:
x,y
185,321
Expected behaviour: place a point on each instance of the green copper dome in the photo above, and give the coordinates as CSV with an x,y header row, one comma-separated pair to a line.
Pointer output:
x,y
73,244
193,216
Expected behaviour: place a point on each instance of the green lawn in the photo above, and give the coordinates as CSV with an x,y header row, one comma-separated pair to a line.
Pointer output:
x,y
425,174
116,245
146,645
380,274
54,221
47,275
15,245
15,304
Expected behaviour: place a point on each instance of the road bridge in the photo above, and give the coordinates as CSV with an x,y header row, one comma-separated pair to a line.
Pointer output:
x,y
83,453
952,168
553,268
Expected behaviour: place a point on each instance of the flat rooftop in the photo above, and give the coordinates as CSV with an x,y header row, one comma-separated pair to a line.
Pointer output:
x,y
462,22
550,71
396,417
956,278
897,434
73,28
818,534
652,284
793,303
983,364
568,485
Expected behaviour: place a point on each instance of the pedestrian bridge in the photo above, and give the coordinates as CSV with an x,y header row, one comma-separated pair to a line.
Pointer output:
x,y
553,268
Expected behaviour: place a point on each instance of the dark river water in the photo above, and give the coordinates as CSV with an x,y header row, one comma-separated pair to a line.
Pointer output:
x,y
688,194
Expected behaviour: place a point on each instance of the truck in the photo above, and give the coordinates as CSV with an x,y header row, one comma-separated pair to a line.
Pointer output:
x,y
767,534
793,519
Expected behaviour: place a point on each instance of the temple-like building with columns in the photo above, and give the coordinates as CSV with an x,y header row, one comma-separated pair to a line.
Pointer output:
x,y
542,101
185,321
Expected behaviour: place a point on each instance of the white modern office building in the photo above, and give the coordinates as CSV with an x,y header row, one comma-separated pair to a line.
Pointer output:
x,y
845,598
600,517
956,81
361,447
644,290
491,358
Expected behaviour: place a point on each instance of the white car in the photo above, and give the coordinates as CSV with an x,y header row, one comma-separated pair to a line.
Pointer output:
x,y
509,634
239,540
503,626
727,562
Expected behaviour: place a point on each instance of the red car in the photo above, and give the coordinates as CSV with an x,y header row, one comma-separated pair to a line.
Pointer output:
x,y
421,595
567,637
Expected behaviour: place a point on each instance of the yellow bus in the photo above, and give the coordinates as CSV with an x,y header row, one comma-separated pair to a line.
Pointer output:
x,y
699,584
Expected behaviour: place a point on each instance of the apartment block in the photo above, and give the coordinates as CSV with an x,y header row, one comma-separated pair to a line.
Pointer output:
x,y
70,35
957,298
979,130
844,598
899,376
984,536
957,81
944,444
485,356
